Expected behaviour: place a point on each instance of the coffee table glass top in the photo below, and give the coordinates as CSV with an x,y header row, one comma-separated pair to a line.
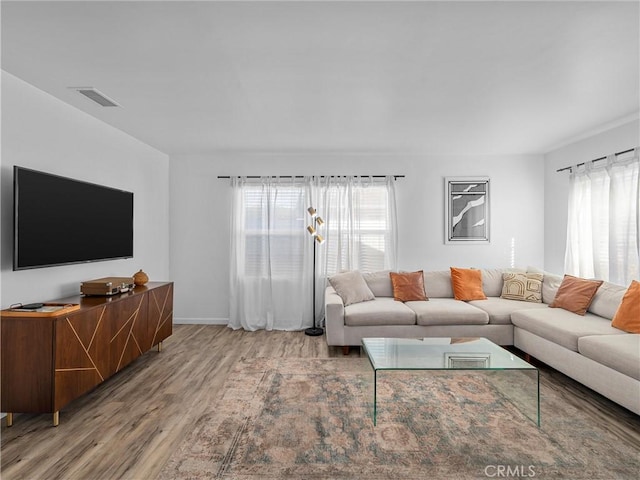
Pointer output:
x,y
479,354
440,354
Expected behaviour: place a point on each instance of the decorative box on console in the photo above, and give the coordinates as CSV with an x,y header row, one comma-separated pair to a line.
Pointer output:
x,y
107,286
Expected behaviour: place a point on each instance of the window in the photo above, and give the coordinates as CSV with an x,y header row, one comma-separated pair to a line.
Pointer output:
x,y
602,230
360,228
273,230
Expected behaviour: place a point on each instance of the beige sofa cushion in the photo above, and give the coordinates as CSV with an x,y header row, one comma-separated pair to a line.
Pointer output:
x,y
438,284
379,283
447,311
607,300
620,352
381,311
561,326
500,309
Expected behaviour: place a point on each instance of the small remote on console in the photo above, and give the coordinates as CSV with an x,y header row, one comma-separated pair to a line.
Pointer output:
x,y
32,306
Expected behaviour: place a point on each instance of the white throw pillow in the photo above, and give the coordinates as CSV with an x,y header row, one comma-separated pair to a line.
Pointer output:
x,y
607,299
351,287
550,285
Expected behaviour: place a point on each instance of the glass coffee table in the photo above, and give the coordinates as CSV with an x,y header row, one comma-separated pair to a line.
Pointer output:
x,y
469,354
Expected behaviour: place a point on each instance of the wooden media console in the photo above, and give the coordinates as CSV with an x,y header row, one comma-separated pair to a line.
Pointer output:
x,y
49,360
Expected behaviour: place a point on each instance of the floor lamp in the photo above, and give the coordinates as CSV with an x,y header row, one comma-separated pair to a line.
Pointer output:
x,y
316,222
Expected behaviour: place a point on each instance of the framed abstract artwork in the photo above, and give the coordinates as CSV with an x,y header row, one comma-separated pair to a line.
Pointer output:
x,y
466,210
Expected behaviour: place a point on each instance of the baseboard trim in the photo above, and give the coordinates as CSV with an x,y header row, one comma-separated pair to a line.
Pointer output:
x,y
201,321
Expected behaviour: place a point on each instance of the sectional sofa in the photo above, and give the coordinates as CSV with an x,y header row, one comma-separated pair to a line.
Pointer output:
x,y
585,347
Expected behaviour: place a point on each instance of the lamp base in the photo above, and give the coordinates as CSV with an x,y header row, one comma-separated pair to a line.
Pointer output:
x,y
314,331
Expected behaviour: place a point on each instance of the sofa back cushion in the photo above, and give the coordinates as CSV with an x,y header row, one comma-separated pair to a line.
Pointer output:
x,y
437,284
607,300
492,282
550,285
379,283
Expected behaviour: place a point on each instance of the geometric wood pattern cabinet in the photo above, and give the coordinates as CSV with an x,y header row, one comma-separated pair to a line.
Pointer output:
x,y
46,362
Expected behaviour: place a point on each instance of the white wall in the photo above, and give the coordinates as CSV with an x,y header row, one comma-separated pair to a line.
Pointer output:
x,y
43,133
200,210
557,183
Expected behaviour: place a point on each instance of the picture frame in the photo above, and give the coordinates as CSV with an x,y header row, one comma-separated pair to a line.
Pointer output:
x,y
467,212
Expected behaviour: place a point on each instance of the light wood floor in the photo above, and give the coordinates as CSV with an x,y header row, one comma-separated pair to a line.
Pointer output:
x,y
130,425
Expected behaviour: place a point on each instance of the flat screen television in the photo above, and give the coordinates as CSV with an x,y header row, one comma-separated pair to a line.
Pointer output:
x,y
59,220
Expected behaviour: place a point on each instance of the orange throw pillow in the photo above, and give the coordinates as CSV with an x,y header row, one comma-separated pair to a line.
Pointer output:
x,y
467,284
627,316
575,294
408,287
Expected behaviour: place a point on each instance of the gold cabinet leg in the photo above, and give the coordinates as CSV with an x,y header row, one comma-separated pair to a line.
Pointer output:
x,y
56,418
159,346
9,419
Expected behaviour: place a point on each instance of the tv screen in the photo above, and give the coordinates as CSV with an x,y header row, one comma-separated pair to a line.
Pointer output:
x,y
60,220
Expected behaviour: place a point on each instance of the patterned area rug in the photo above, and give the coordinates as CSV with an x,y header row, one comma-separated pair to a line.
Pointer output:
x,y
311,418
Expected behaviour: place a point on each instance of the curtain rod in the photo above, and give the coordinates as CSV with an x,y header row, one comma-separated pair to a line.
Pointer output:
x,y
319,176
595,160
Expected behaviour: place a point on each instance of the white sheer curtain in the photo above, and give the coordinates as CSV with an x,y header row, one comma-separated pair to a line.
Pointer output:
x,y
272,252
361,227
603,222
271,266
360,214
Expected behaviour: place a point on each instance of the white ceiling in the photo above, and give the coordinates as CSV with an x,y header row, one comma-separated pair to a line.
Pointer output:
x,y
423,77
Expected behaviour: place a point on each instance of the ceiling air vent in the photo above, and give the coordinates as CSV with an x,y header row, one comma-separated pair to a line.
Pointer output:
x,y
98,97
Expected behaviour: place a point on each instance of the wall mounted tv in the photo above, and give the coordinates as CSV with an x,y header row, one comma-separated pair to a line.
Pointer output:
x,y
59,220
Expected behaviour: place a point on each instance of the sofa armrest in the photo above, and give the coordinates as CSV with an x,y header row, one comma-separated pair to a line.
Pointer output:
x,y
334,317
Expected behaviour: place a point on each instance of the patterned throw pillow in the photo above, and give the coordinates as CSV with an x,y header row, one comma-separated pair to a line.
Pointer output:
x,y
526,287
